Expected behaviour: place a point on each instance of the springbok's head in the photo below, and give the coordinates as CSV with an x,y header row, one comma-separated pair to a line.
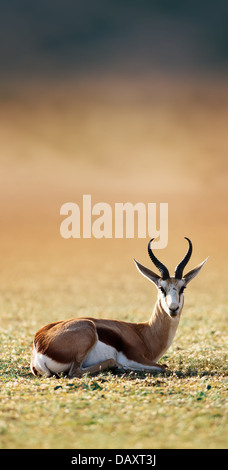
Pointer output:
x,y
170,289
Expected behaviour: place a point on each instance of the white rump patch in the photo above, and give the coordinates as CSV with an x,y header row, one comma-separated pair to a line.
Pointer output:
x,y
46,366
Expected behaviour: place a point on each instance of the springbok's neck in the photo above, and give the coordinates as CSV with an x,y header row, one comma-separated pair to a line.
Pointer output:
x,y
162,330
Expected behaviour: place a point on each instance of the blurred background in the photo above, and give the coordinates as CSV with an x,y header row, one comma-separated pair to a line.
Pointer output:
x,y
126,101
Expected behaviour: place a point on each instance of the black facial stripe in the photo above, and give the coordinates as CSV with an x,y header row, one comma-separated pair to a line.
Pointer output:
x,y
181,291
162,290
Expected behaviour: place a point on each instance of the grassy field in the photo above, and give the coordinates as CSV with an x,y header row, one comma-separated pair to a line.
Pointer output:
x,y
135,143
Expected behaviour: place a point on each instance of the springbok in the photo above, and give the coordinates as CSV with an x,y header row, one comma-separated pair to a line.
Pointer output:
x,y
89,345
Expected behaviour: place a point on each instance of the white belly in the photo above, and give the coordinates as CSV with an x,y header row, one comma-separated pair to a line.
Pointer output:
x,y
99,353
133,365
102,351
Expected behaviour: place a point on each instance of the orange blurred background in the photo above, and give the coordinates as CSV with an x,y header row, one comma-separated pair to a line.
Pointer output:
x,y
126,103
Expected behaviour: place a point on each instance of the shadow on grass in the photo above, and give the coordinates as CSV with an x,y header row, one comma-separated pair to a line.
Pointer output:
x,y
11,373
180,374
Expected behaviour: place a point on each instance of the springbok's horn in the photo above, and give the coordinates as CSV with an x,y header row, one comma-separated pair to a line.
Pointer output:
x,y
180,267
163,270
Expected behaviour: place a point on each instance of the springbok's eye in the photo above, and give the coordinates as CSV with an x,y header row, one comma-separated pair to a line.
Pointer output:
x,y
182,289
162,290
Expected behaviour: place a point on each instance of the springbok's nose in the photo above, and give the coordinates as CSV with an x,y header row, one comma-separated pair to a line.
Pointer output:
x,y
173,311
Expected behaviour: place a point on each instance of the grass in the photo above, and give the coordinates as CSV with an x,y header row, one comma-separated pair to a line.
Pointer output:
x,y
183,408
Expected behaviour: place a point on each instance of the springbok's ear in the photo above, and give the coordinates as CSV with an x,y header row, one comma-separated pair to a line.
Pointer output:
x,y
191,274
147,273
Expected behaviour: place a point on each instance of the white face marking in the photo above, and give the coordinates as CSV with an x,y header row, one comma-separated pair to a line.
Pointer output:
x,y
171,296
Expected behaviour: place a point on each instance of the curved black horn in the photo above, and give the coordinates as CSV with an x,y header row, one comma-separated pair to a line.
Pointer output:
x,y
180,267
163,270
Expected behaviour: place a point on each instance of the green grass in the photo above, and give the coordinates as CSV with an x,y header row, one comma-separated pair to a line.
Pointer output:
x,y
184,408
